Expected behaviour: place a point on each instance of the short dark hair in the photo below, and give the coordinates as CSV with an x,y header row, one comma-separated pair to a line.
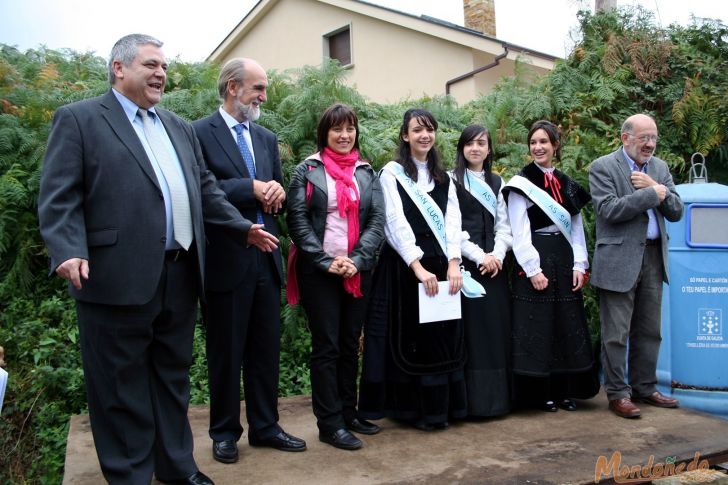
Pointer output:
x,y
551,130
335,115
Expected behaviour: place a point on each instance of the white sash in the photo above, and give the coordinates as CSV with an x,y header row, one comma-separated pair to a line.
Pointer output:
x,y
482,193
555,211
435,220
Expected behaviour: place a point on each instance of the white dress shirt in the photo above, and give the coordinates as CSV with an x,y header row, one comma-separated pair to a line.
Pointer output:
x,y
502,228
232,123
397,230
526,255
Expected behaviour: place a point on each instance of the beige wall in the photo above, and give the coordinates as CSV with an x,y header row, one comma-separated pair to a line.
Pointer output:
x,y
486,80
390,62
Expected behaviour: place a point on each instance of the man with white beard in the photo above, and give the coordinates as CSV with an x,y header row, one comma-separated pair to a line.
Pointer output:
x,y
243,284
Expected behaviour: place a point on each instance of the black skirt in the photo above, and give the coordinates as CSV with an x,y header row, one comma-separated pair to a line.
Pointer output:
x,y
487,323
411,371
552,349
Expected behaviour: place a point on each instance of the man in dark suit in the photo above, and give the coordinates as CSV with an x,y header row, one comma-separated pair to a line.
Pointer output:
x,y
123,197
633,193
243,284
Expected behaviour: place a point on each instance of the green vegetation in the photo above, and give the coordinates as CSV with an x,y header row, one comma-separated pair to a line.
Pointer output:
x,y
622,65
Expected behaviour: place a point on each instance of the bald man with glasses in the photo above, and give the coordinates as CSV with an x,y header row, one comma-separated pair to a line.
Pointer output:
x,y
633,193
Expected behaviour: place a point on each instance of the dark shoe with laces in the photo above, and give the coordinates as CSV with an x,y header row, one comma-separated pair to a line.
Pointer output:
x,y
197,478
282,441
362,426
225,451
341,438
624,408
567,405
548,406
658,399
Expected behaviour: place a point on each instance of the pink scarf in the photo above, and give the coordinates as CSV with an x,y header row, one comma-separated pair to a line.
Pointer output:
x,y
341,169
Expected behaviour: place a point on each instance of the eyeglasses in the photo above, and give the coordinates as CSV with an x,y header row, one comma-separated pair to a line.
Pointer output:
x,y
646,138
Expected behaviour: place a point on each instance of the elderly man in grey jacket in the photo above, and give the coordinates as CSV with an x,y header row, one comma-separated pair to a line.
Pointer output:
x,y
633,193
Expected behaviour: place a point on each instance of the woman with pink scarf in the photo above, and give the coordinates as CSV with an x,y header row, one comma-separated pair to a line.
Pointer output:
x,y
336,222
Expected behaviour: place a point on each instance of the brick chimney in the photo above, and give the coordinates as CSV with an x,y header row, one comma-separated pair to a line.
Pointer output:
x,y
480,15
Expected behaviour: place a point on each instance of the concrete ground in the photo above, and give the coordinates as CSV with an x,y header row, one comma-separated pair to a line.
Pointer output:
x,y
525,447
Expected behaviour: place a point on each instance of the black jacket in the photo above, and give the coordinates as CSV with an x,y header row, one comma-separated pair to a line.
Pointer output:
x,y
307,221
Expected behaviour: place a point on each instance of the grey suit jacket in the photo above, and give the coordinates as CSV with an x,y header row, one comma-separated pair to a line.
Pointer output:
x,y
621,225
100,200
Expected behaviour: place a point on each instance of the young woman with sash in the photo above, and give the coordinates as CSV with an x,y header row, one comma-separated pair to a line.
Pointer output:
x,y
336,221
413,371
486,240
552,356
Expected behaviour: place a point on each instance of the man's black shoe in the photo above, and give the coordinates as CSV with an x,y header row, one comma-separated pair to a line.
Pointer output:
x,y
282,441
342,439
197,478
225,451
362,426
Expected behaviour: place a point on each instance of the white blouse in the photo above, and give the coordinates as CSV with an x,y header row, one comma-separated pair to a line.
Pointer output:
x,y
397,230
526,255
503,237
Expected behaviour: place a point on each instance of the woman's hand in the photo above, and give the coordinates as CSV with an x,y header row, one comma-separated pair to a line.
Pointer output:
x,y
578,281
454,276
490,264
425,277
343,266
539,281
348,268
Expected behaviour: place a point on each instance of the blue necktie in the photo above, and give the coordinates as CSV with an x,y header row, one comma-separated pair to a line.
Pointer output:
x,y
248,158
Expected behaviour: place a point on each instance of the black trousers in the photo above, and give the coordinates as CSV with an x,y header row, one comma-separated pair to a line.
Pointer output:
x,y
136,363
244,330
335,319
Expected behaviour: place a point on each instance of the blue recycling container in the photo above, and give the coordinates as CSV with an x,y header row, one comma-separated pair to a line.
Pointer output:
x,y
693,362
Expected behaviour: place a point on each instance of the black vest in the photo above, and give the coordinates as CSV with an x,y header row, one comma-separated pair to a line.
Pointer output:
x,y
573,195
479,223
423,235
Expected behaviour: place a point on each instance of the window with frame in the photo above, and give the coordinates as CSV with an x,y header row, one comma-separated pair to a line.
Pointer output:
x,y
337,45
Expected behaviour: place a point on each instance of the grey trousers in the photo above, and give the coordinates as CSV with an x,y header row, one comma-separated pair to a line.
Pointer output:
x,y
630,324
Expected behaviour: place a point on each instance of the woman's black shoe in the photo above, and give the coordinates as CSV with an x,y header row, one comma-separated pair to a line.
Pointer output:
x,y
548,406
341,438
362,426
423,426
567,405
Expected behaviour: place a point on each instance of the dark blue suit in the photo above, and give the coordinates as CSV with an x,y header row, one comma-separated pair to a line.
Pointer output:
x,y
242,291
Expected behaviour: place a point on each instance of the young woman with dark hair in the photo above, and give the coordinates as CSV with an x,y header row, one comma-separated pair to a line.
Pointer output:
x,y
414,371
552,352
336,221
486,240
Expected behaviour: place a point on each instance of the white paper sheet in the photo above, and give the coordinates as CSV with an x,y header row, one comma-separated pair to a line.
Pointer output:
x,y
442,306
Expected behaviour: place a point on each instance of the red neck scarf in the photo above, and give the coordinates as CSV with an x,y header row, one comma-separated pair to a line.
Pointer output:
x,y
551,182
341,169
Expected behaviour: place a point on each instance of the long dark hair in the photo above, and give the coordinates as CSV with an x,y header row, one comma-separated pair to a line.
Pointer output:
x,y
404,152
335,115
553,133
470,133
